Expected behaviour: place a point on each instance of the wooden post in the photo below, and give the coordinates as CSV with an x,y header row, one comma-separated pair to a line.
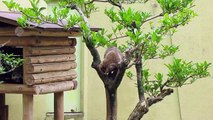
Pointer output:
x,y
3,108
59,106
27,106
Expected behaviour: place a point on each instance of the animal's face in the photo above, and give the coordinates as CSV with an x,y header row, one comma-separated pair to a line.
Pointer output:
x,y
109,69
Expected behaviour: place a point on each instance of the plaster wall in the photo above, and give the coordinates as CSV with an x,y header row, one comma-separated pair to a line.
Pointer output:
x,y
191,102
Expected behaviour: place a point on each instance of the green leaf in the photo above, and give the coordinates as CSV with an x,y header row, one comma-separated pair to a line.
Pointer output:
x,y
168,50
85,29
146,74
34,4
22,21
130,75
11,5
159,77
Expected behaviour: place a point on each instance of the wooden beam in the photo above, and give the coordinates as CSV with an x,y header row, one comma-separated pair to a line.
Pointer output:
x,y
50,67
41,78
59,106
16,88
50,58
55,87
38,89
27,107
32,51
26,32
37,41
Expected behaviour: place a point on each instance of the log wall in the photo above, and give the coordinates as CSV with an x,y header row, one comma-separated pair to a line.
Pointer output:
x,y
52,62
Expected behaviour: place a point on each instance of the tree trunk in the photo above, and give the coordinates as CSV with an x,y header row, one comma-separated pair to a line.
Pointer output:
x,y
140,109
111,99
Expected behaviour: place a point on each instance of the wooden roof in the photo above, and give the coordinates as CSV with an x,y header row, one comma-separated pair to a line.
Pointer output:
x,y
8,22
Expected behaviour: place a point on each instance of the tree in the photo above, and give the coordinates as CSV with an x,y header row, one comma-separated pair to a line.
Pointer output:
x,y
138,45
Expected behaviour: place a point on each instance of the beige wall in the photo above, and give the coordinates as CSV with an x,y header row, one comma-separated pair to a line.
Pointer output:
x,y
197,40
193,102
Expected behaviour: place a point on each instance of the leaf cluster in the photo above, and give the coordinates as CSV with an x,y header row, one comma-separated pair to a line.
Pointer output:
x,y
9,61
179,73
172,6
128,19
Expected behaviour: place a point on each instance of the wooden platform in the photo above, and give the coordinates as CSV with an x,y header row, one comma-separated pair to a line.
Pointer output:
x,y
38,89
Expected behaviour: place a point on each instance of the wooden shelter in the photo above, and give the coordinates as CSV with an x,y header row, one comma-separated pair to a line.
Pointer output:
x,y
49,62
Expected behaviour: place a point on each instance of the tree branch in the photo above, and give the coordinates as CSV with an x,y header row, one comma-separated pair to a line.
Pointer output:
x,y
130,65
85,19
138,67
171,79
42,20
142,106
130,52
160,96
153,17
92,1
140,110
118,37
165,84
94,52
119,5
